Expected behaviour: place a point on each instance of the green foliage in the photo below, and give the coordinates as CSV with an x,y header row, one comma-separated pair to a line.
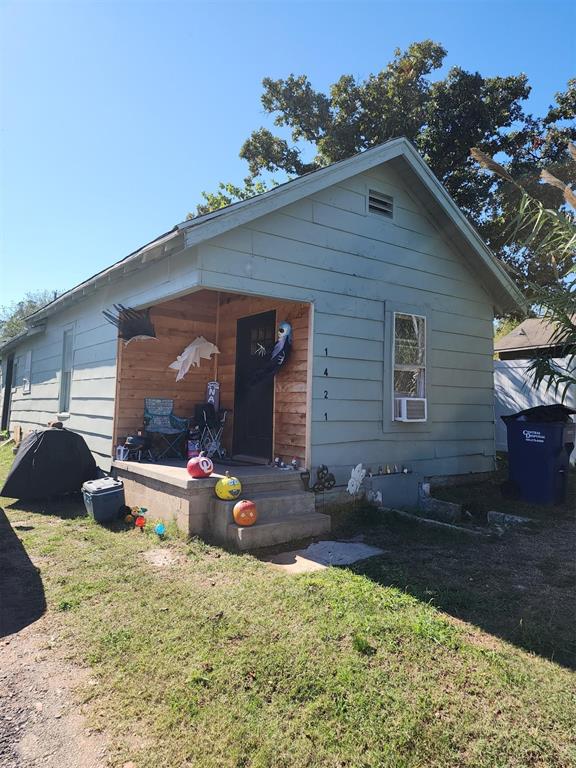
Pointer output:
x,y
444,118
503,327
12,316
551,234
228,194
559,304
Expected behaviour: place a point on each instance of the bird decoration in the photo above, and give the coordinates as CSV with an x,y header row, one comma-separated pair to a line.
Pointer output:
x,y
199,348
132,324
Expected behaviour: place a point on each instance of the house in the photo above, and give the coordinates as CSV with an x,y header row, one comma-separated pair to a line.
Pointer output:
x,y
513,387
391,294
531,338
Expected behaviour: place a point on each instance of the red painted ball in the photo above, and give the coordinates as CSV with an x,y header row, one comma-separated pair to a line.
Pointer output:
x,y
244,513
200,466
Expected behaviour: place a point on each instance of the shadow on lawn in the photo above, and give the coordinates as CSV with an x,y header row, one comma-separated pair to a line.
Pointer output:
x,y
520,588
22,600
66,507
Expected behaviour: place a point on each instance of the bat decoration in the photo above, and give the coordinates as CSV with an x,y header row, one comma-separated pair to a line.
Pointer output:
x,y
278,356
131,323
325,481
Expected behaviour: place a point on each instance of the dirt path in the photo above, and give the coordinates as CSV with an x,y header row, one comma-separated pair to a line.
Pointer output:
x,y
41,722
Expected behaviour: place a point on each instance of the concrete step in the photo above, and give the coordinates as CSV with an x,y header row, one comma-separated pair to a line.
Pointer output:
x,y
271,484
271,506
268,534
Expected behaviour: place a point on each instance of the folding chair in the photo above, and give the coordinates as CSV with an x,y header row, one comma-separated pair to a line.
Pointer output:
x,y
211,426
159,419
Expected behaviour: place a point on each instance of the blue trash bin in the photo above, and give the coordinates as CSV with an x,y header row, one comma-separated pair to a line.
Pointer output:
x,y
540,441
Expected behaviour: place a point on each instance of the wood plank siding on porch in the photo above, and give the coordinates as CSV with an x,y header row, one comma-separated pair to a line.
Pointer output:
x,y
143,367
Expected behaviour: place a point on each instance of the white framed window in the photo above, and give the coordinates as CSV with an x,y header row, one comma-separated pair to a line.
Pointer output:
x,y
16,372
409,368
27,373
66,374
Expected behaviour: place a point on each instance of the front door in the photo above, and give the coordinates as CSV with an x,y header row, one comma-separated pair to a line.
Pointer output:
x,y
254,396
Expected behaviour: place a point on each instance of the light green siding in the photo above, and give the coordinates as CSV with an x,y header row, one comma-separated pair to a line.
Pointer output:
x,y
358,268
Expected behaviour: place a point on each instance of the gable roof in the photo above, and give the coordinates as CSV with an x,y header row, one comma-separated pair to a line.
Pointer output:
x,y
434,197
533,333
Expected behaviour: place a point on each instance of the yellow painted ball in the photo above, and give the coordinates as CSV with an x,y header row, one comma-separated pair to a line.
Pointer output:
x,y
228,488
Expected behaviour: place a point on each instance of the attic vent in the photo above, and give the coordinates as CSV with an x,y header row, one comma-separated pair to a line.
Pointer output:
x,y
379,203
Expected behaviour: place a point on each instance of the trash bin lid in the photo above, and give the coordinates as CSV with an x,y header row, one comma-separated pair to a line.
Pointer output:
x,y
542,414
102,484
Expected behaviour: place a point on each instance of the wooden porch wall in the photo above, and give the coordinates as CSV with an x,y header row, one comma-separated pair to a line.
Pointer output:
x,y
143,366
290,400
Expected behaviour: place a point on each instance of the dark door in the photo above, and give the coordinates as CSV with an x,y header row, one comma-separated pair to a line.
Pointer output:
x,y
7,392
254,399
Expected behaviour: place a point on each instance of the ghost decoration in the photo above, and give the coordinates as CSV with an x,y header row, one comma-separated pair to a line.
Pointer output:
x,y
278,356
357,476
132,324
199,348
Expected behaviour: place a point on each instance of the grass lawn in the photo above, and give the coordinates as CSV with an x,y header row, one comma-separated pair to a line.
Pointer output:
x,y
220,660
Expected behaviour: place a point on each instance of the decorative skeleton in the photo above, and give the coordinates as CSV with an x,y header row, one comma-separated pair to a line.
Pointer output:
x,y
278,355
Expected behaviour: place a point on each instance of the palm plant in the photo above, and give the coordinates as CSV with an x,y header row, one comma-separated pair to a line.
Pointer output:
x,y
548,230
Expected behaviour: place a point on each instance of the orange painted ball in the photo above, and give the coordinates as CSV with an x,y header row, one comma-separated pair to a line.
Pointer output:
x,y
245,513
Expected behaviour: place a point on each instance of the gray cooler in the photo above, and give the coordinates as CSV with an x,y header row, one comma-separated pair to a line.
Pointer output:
x,y
103,498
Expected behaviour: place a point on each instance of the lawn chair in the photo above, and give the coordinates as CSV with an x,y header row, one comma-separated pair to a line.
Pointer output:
x,y
159,419
211,425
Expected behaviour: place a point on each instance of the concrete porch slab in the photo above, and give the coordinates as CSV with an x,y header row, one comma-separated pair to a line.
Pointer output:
x,y
286,512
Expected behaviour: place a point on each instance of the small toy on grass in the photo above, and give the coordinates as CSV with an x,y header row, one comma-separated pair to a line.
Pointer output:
x,y
136,517
160,529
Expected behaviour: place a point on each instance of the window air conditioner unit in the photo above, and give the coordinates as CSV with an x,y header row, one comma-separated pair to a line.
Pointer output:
x,y
410,409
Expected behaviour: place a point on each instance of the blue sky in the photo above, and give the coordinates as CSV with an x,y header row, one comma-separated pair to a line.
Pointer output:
x,y
116,115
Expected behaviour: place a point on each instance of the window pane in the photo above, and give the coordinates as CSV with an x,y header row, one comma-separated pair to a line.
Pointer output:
x,y
65,392
66,375
409,383
409,340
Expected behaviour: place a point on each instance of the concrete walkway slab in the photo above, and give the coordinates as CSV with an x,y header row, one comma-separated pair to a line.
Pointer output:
x,y
323,554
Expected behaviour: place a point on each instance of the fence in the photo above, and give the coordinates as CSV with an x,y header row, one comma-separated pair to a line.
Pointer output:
x,y
514,391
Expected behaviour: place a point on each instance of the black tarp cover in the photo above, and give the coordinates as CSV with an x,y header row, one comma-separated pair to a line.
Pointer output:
x,y
49,462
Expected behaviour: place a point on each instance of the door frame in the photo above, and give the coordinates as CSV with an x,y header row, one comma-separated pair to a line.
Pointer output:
x,y
236,452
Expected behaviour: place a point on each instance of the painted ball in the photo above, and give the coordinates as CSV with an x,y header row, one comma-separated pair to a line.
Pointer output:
x,y
160,529
245,513
200,466
228,488
140,521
